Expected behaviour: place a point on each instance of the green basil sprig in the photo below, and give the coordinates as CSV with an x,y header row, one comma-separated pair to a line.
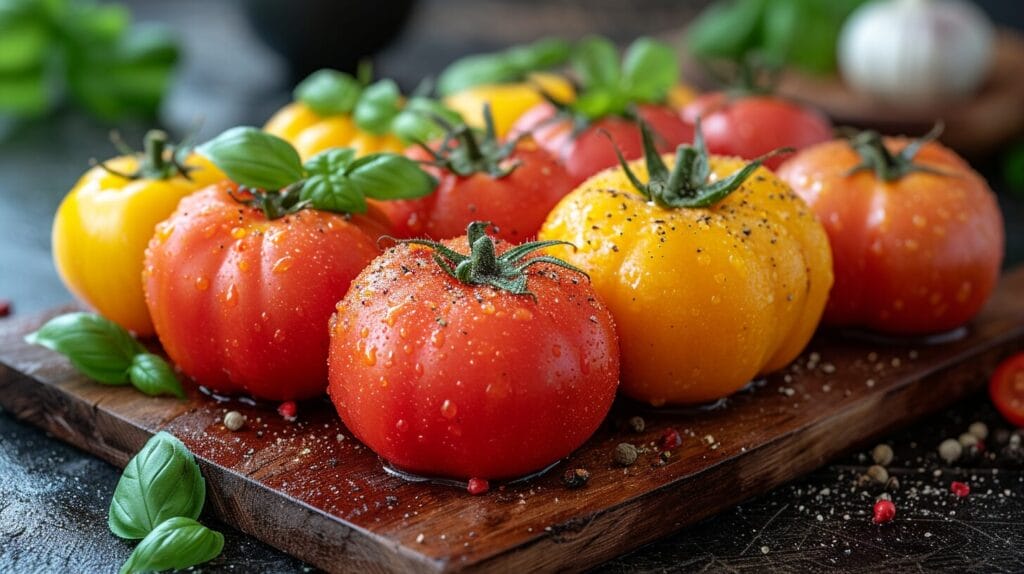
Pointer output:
x,y
329,92
158,498
334,180
176,544
511,65
162,481
105,352
648,70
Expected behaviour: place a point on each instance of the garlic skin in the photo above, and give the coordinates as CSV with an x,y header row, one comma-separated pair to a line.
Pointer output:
x,y
916,51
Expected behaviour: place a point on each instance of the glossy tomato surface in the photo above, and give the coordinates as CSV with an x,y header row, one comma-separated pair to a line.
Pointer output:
x,y
751,126
917,255
241,303
589,151
446,379
516,203
1006,388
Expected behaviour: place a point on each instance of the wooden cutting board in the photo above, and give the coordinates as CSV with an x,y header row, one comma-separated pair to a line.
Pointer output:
x,y
313,491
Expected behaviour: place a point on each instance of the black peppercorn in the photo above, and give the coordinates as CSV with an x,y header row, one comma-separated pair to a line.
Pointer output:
x,y
575,478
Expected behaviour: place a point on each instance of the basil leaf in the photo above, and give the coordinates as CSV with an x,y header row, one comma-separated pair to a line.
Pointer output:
x,y
152,375
175,544
162,481
416,122
502,67
726,30
328,187
650,68
539,55
254,158
329,92
597,62
390,176
378,105
99,348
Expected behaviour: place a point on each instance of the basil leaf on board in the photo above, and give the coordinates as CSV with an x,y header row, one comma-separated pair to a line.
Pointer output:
x,y
99,348
328,187
152,375
329,92
377,107
162,481
390,176
597,62
254,158
175,544
649,69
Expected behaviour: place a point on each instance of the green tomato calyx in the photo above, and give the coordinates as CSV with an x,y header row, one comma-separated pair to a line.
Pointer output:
x,y
876,157
465,151
688,183
483,266
159,160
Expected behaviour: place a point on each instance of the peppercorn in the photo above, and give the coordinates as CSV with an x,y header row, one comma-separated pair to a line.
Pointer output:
x,y
478,486
884,511
961,489
288,410
625,454
882,454
575,478
670,439
665,455
878,474
883,496
950,450
978,429
234,420
893,484
863,480
967,439
1001,436
637,424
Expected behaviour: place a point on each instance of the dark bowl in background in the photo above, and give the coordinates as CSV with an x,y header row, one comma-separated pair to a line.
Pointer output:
x,y
314,34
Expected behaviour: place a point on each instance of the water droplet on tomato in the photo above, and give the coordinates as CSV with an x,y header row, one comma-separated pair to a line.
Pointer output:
x,y
720,278
163,231
383,383
202,283
231,296
556,350
400,424
370,356
703,259
403,332
919,221
237,232
437,338
448,409
715,299
418,369
407,349
282,264
487,308
364,332
522,314
498,389
243,265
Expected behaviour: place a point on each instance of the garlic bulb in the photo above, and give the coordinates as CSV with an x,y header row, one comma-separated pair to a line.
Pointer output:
x,y
911,51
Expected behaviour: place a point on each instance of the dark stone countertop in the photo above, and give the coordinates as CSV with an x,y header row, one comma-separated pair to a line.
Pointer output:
x,y
54,498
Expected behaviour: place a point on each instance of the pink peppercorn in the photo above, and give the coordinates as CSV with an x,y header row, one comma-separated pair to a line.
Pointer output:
x,y
478,486
670,439
961,489
288,410
885,511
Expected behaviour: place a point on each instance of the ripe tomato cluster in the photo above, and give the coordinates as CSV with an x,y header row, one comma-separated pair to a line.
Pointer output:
x,y
472,302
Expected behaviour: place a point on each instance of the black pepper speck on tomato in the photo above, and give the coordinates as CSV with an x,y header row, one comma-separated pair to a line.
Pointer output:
x,y
472,358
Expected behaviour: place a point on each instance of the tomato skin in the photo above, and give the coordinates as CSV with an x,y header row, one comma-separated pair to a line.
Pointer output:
x,y
102,228
751,126
1006,388
446,379
516,204
508,101
914,256
240,303
312,133
589,151
704,299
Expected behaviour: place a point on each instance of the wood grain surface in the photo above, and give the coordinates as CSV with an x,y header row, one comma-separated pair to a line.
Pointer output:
x,y
311,490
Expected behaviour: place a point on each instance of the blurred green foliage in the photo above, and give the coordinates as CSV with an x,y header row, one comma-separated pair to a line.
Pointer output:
x,y
798,33
88,53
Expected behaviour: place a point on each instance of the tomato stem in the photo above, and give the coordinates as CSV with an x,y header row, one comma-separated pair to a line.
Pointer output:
x,y
876,157
483,266
465,151
159,159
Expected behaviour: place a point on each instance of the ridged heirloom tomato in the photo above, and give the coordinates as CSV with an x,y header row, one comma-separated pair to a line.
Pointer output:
x,y
916,234
241,282
714,271
472,358
512,185
103,225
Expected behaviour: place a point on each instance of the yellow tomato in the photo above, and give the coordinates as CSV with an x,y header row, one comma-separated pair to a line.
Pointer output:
x,y
508,101
679,95
705,298
103,226
311,133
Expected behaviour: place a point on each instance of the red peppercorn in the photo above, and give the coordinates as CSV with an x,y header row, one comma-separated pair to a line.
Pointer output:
x,y
885,511
478,486
961,489
670,439
288,410
5,307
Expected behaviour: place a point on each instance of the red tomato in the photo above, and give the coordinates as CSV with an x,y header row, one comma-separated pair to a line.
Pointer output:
x,y
1006,387
751,126
445,378
241,303
918,254
589,151
516,203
